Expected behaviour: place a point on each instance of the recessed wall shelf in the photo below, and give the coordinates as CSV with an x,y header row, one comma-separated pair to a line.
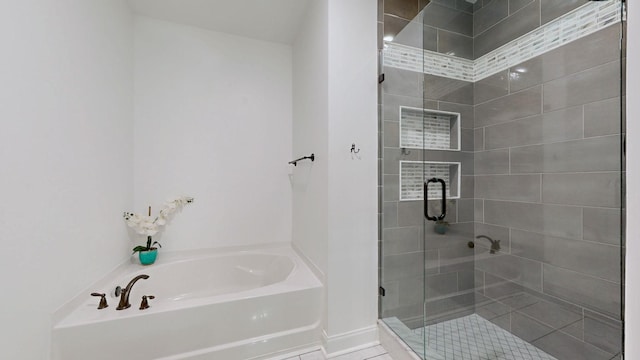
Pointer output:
x,y
414,173
429,129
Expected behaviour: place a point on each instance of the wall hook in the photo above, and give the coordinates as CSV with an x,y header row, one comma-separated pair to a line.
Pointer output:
x,y
353,149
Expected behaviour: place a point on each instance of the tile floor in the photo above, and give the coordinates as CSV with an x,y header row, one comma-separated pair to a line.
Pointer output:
x,y
467,338
373,353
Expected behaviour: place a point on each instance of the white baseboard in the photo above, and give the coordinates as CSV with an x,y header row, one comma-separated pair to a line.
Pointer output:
x,y
355,340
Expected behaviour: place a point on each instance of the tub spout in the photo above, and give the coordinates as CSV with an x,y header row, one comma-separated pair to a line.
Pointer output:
x,y
124,294
495,244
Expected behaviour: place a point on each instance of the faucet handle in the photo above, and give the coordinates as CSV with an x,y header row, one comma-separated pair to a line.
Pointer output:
x,y
145,304
103,300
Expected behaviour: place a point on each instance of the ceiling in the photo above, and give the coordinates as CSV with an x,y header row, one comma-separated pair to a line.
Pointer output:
x,y
269,20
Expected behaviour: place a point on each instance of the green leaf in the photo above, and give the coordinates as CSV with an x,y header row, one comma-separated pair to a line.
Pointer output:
x,y
155,242
140,248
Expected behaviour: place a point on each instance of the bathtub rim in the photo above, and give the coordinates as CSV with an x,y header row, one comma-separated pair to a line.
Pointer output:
x,y
131,265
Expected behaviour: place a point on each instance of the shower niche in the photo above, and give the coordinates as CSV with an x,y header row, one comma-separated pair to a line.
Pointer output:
x,y
414,173
427,129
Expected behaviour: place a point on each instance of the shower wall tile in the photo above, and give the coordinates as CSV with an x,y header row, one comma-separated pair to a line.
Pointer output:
x,y
602,118
393,26
402,82
599,83
489,15
466,113
491,87
498,288
551,127
593,189
390,214
391,134
392,103
522,271
443,17
478,206
563,346
466,210
514,26
602,332
467,187
555,220
552,314
597,294
527,328
515,5
455,44
527,74
448,90
402,240
391,188
596,49
456,259
402,266
596,154
406,9
440,285
515,106
509,187
590,258
478,139
552,9
492,162
429,38
412,33
602,225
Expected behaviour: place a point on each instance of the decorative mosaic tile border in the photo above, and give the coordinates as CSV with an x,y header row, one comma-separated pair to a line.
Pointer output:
x,y
429,129
585,20
413,173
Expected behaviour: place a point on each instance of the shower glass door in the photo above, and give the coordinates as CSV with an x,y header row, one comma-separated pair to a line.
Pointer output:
x,y
502,189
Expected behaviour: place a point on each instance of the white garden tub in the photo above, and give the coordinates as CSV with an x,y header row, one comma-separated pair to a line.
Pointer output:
x,y
208,305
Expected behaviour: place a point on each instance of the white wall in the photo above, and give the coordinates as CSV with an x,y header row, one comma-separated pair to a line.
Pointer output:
x,y
310,135
213,119
352,276
632,278
65,153
335,198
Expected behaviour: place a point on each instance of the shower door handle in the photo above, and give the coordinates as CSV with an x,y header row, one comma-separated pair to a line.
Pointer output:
x,y
426,199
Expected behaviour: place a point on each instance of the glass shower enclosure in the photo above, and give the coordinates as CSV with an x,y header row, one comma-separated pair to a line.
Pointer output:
x,y
501,177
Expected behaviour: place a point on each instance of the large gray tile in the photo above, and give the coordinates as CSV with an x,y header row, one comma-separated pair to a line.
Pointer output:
x,y
520,23
402,82
491,309
402,8
590,51
491,87
390,214
438,307
466,280
522,271
492,162
457,236
515,106
515,5
455,44
391,188
489,15
465,210
446,18
599,83
441,284
410,290
602,332
467,140
467,187
527,328
519,301
396,267
465,111
601,295
391,133
555,126
595,154
594,259
563,346
551,314
555,220
603,118
449,90
498,288
508,187
602,225
553,9
478,206
526,74
410,213
392,103
455,259
592,189
401,240
478,139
